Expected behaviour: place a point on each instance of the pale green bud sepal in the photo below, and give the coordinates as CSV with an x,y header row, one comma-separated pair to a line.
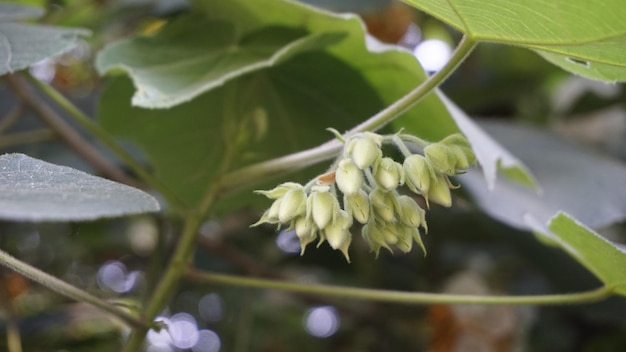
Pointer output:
x,y
410,213
383,204
293,204
323,206
388,174
349,177
440,191
358,205
364,150
418,174
337,233
441,157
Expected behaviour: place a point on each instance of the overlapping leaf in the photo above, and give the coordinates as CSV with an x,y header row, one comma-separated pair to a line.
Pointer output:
x,y
194,55
22,45
34,190
576,180
585,37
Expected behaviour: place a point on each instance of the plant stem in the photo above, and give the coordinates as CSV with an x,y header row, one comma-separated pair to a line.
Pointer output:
x,y
27,137
169,282
68,290
109,141
398,296
257,173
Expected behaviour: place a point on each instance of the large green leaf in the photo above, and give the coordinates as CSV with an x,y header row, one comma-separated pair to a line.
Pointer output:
x,y
193,54
603,258
579,181
391,70
585,37
22,45
34,190
269,113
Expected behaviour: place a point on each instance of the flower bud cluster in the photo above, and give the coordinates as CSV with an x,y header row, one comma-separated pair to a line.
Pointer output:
x,y
369,184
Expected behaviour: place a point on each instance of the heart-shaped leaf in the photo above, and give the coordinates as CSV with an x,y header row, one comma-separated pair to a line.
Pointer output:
x,y
34,190
584,37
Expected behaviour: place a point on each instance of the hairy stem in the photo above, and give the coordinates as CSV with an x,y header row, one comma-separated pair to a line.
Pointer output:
x,y
68,290
169,282
398,296
257,173
108,140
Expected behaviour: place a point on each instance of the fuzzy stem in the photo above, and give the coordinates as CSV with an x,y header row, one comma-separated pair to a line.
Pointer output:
x,y
257,173
68,290
399,296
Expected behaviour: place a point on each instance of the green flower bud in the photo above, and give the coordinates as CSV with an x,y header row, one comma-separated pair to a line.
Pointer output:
x,y
440,191
337,233
456,139
305,230
358,205
388,174
404,237
293,204
323,206
414,232
418,173
374,234
383,204
462,162
270,216
441,158
280,190
364,150
349,177
410,213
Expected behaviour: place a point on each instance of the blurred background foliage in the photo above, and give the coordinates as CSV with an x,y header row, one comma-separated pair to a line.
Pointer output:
x,y
468,252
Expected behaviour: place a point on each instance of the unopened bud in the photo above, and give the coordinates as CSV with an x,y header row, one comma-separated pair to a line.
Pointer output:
x,y
417,173
349,177
388,174
411,214
323,206
293,204
383,204
337,233
305,230
441,158
364,151
358,205
440,191
374,234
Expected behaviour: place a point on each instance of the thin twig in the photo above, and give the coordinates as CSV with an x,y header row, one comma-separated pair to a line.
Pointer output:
x,y
67,132
67,290
11,117
398,297
27,137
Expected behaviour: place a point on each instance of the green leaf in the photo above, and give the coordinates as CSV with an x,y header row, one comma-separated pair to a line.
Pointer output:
x,y
193,54
601,257
574,179
22,45
34,190
391,70
584,37
252,118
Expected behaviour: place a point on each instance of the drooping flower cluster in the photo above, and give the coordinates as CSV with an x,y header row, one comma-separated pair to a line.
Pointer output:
x,y
369,184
